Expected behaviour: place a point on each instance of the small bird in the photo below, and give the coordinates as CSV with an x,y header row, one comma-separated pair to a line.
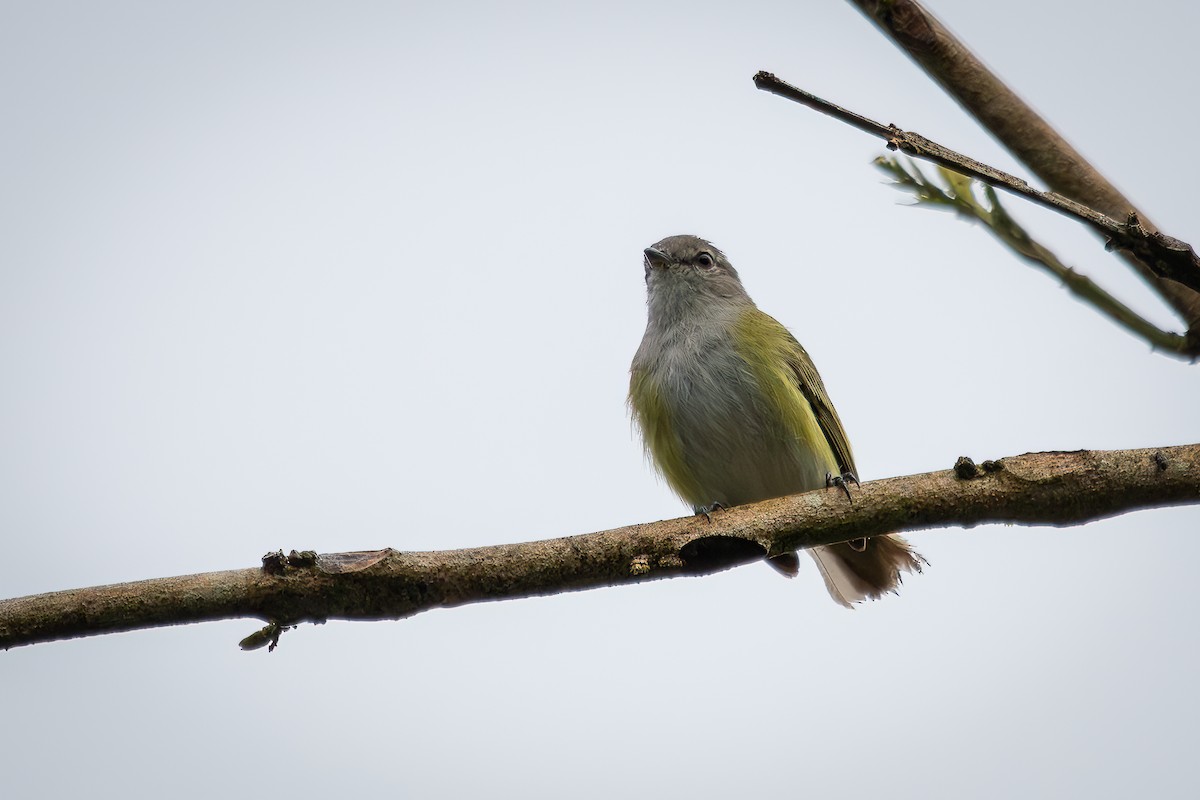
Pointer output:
x,y
732,410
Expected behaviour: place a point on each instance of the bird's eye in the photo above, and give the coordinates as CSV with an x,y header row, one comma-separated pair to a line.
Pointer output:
x,y
706,260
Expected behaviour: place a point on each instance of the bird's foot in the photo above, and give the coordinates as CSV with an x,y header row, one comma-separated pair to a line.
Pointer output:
x,y
842,481
708,509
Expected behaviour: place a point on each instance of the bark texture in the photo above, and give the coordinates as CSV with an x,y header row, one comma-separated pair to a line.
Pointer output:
x,y
1056,488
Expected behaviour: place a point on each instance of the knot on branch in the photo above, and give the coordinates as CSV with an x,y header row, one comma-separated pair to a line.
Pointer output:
x,y
965,469
277,563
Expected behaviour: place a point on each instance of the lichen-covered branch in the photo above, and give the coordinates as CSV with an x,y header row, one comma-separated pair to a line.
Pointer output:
x,y
1055,488
960,196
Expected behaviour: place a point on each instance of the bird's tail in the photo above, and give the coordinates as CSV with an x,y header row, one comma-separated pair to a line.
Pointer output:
x,y
865,569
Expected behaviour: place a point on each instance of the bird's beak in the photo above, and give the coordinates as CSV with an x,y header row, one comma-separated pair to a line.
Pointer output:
x,y
656,259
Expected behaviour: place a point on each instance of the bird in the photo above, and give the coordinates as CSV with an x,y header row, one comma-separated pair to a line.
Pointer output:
x,y
732,411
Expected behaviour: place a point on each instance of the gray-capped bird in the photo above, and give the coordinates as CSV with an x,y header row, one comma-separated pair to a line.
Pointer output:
x,y
733,411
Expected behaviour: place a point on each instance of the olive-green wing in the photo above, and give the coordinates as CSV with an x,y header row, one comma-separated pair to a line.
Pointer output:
x,y
813,389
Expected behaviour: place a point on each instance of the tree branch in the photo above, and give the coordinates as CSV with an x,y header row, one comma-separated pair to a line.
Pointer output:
x,y
960,197
1037,489
1019,128
1168,257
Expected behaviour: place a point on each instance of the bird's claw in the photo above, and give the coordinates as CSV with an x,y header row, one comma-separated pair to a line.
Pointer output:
x,y
708,509
842,481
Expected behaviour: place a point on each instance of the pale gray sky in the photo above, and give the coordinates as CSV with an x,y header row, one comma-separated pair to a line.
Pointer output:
x,y
345,276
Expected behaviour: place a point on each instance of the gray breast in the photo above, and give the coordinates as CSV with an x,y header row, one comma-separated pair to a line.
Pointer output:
x,y
737,448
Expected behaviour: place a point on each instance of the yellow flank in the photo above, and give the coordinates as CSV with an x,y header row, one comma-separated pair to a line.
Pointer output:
x,y
771,353
662,442
770,356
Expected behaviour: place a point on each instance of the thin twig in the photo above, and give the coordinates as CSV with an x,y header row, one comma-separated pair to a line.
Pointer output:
x,y
1019,128
961,198
1035,489
1168,257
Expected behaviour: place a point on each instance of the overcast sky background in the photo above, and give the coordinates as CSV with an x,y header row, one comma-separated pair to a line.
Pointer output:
x,y
345,276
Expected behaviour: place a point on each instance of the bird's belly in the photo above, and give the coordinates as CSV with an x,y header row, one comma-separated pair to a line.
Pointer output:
x,y
735,448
